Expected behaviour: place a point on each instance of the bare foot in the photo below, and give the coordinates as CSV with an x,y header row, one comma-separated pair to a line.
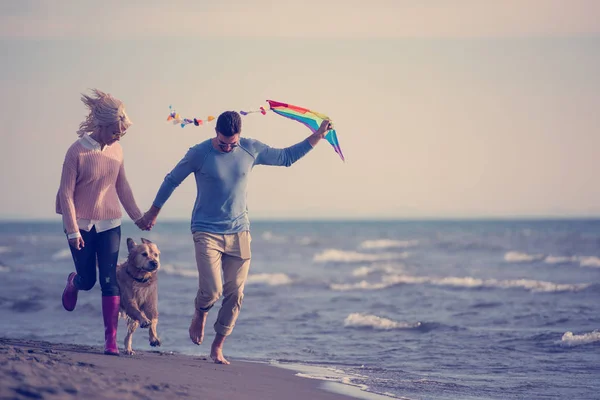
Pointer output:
x,y
216,350
216,353
197,327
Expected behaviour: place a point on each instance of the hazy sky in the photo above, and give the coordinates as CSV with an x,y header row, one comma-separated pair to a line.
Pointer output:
x,y
473,108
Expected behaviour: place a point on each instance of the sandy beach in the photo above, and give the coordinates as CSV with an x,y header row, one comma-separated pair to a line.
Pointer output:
x,y
42,370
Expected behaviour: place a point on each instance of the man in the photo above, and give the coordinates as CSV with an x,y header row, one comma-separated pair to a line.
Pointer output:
x,y
220,224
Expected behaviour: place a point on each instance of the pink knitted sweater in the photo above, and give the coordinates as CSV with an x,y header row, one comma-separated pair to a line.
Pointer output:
x,y
91,185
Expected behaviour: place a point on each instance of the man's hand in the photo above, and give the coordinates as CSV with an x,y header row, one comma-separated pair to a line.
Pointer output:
x,y
320,133
77,243
324,128
143,224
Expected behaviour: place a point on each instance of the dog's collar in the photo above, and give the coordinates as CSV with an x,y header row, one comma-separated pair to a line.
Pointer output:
x,y
140,280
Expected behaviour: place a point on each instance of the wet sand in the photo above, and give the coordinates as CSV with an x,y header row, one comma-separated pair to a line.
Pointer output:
x,y
42,370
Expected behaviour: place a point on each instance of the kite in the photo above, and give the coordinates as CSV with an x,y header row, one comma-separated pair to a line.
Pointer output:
x,y
311,119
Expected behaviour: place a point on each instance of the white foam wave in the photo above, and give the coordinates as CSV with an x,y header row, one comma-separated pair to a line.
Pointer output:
x,y
559,260
375,322
335,376
269,279
589,262
574,340
266,279
4,249
517,257
364,285
269,237
306,241
466,282
334,255
537,286
584,261
63,254
364,271
387,244
172,270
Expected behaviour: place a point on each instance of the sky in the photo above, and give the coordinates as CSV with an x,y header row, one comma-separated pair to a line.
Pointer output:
x,y
444,109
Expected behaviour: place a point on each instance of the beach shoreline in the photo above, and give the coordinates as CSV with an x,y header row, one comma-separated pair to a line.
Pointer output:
x,y
43,370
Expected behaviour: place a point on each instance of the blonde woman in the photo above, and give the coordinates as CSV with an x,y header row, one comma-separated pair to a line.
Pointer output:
x,y
92,188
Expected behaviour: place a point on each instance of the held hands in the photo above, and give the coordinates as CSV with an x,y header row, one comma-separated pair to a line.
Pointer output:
x,y
144,223
77,243
148,221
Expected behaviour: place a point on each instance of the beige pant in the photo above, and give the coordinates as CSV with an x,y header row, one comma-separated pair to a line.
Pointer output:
x,y
231,254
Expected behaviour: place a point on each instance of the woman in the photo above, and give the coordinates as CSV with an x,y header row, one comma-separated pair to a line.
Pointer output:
x,y
92,186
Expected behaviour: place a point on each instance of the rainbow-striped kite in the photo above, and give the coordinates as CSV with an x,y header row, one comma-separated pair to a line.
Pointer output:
x,y
310,119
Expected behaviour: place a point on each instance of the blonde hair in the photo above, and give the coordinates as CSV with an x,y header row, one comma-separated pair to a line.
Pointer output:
x,y
105,110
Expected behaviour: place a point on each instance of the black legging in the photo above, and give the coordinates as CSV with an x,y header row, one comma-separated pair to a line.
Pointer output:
x,y
105,247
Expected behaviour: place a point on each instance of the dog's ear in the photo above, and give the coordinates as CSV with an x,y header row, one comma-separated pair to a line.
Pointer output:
x,y
130,244
146,241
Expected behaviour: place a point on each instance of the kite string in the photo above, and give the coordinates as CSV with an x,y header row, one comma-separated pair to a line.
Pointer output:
x,y
178,120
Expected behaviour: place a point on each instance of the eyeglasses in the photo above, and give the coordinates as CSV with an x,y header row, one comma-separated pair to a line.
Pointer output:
x,y
225,146
119,134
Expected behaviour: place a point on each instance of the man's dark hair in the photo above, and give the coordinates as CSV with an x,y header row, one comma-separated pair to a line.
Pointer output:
x,y
229,123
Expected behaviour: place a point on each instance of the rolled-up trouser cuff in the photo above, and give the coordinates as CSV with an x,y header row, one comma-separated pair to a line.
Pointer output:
x,y
204,309
222,329
198,303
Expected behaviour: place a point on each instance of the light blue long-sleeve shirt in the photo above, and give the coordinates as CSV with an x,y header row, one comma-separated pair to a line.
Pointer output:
x,y
222,181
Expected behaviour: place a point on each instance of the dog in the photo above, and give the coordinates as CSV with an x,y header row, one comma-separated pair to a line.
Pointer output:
x,y
138,283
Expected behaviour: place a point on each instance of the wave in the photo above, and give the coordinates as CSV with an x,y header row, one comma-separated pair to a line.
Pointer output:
x,y
172,270
353,382
559,260
270,237
589,262
334,255
387,243
63,254
364,271
375,322
517,257
306,241
584,261
269,279
461,282
4,268
4,249
465,243
570,339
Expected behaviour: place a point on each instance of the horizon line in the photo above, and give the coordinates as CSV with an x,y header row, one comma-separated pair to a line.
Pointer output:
x,y
359,219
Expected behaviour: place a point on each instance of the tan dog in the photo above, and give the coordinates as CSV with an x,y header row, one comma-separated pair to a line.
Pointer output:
x,y
138,282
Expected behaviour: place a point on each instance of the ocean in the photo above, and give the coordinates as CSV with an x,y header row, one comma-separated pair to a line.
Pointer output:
x,y
476,309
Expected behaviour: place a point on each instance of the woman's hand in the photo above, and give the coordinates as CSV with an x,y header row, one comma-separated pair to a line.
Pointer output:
x,y
77,243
